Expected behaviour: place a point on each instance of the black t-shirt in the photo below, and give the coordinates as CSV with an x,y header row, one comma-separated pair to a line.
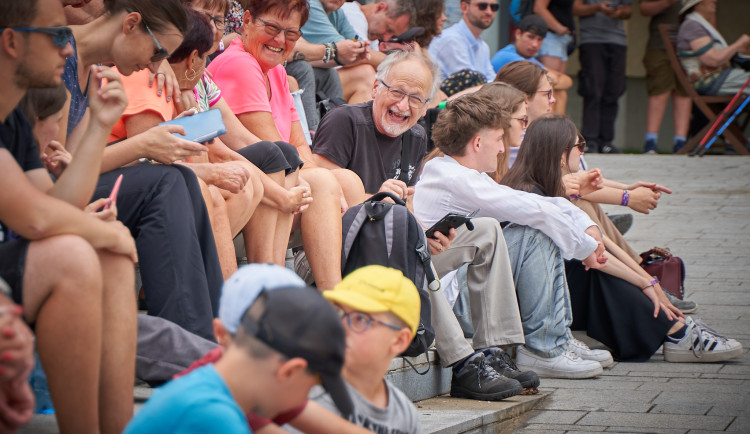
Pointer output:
x,y
17,137
562,10
348,137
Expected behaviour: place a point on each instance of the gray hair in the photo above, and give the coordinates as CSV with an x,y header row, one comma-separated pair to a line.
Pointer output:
x,y
396,8
401,56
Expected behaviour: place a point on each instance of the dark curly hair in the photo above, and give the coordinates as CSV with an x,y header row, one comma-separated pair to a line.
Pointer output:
x,y
428,12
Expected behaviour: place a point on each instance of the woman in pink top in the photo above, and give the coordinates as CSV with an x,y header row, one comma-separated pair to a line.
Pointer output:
x,y
253,82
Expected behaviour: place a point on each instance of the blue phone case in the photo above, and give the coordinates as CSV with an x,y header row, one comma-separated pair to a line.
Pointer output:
x,y
200,127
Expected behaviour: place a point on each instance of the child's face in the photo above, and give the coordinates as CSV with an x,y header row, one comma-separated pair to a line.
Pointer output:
x,y
46,130
292,391
367,344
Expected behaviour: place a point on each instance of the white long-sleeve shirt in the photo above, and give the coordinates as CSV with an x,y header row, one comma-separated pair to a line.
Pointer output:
x,y
447,186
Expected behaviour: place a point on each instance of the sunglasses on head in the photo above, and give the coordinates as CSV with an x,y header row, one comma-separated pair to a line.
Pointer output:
x,y
61,35
483,6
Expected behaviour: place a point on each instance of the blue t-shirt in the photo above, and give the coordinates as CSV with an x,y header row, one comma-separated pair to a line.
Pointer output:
x,y
322,28
509,54
79,100
457,49
196,403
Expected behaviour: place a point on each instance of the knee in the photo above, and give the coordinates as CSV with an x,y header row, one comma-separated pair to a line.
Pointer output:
x,y
363,75
322,181
67,259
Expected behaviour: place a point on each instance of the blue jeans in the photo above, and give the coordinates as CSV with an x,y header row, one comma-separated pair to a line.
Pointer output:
x,y
542,290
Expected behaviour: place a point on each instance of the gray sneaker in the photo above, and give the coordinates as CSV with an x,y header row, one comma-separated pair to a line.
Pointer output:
x,y
685,306
622,222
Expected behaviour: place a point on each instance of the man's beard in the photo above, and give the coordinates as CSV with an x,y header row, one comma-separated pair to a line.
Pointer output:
x,y
27,78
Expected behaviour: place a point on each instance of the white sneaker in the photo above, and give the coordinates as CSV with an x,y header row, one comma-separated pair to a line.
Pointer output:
x,y
583,351
566,365
701,344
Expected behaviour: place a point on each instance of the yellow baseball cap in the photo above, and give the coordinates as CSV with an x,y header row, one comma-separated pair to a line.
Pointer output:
x,y
375,289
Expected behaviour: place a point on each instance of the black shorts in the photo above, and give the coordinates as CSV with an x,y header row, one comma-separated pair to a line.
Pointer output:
x,y
272,157
12,265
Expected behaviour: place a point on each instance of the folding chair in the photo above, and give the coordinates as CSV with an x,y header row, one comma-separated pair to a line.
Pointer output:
x,y
710,106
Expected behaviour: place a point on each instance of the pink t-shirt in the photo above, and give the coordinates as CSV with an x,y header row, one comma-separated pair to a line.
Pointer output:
x,y
242,85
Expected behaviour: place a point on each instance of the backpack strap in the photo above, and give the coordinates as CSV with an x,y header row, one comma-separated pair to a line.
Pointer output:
x,y
405,148
352,228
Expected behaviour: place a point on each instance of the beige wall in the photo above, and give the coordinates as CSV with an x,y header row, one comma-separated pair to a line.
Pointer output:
x,y
733,19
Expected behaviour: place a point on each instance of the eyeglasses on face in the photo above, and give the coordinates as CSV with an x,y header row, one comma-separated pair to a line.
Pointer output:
x,y
548,92
395,95
359,321
482,6
523,120
219,21
61,35
273,30
159,52
581,145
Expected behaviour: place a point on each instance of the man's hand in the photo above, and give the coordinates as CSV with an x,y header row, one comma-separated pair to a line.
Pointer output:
x,y
160,145
596,234
231,176
594,261
441,243
351,51
56,158
397,187
643,199
165,80
106,103
16,346
16,406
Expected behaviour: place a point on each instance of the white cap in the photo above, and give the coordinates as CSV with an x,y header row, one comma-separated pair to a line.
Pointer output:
x,y
243,287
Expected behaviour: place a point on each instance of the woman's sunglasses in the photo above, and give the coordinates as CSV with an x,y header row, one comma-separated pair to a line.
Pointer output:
x,y
61,35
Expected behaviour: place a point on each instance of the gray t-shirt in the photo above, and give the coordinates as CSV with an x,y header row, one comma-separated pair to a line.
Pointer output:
x,y
400,417
668,16
690,30
347,136
601,29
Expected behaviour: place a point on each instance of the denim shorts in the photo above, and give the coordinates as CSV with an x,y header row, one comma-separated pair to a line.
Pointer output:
x,y
555,46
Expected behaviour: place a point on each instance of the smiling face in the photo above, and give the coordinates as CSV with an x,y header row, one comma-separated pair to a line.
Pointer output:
x,y
394,118
135,47
527,43
269,50
43,62
214,14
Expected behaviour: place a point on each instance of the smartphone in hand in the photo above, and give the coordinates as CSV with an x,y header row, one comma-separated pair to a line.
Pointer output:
x,y
451,220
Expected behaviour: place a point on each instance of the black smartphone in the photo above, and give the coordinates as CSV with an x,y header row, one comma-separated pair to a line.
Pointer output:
x,y
451,220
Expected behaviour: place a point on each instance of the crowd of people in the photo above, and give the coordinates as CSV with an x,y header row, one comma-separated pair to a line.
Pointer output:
x,y
100,184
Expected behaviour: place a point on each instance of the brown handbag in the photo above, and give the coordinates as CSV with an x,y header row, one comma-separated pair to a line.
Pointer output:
x,y
669,269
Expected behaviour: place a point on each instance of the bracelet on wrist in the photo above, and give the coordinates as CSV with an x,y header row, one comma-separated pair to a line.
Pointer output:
x,y
336,55
575,196
625,198
655,281
329,52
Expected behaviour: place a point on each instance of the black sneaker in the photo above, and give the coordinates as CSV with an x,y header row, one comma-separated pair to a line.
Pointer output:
x,y
477,380
609,149
504,364
622,222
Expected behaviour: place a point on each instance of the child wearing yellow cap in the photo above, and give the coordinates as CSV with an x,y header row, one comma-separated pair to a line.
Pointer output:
x,y
379,309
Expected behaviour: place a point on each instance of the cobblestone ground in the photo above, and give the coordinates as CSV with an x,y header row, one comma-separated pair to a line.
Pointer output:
x,y
707,223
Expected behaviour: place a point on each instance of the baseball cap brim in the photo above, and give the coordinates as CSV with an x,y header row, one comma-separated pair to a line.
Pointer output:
x,y
408,35
335,386
356,301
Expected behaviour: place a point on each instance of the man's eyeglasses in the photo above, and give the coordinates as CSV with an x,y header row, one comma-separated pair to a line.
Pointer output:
x,y
524,121
219,21
273,30
548,92
61,35
483,6
415,102
359,321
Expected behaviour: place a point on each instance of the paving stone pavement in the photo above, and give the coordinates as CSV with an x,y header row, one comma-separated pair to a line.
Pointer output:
x,y
706,221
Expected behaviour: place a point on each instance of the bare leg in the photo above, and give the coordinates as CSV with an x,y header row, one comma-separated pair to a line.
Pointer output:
x,y
63,295
553,63
241,206
681,108
356,81
354,191
655,107
220,227
321,227
119,330
561,101
261,231
284,222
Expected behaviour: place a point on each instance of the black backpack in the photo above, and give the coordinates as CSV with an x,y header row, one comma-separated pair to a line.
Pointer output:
x,y
382,233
